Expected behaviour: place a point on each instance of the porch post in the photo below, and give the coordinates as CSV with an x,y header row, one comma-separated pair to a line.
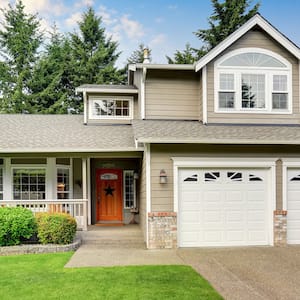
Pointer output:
x,y
89,205
84,187
51,189
7,180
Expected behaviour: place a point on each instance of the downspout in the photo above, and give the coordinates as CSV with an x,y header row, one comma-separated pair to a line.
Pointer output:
x,y
143,82
84,108
204,95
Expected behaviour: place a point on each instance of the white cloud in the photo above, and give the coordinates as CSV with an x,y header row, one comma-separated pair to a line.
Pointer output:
x,y
73,19
84,3
107,16
48,7
158,40
172,7
133,29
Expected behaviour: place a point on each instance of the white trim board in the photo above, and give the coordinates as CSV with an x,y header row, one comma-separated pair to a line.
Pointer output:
x,y
255,20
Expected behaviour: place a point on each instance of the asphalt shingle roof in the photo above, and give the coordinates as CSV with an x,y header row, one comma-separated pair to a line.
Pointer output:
x,y
67,133
153,131
61,133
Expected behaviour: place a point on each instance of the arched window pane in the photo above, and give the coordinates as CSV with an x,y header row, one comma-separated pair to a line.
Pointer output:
x,y
253,60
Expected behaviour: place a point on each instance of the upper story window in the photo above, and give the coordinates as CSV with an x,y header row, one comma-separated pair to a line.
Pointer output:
x,y
253,80
101,107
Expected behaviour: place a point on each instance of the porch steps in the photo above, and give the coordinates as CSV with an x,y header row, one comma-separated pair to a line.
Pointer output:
x,y
128,236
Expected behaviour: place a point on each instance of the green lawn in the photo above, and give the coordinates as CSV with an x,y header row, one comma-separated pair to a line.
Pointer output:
x,y
44,277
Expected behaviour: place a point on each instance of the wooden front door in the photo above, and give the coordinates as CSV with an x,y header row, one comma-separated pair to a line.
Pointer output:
x,y
109,205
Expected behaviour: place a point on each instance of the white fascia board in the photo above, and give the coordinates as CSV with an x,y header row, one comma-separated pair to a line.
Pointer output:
x,y
218,141
186,67
68,150
110,91
223,162
256,20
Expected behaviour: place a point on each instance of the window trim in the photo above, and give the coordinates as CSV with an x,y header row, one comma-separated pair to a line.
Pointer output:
x,y
2,175
70,192
28,167
238,71
134,189
92,98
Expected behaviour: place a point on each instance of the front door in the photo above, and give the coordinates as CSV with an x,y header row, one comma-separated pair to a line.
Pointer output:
x,y
109,195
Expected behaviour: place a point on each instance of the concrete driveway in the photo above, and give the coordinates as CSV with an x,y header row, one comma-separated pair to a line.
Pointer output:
x,y
249,273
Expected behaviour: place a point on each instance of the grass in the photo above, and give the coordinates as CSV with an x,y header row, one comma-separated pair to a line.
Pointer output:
x,y
43,276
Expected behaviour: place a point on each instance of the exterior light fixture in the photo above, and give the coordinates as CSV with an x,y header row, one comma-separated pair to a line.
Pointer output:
x,y
163,179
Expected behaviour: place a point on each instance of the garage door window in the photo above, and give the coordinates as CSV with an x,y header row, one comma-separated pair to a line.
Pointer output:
x,y
234,176
295,178
211,176
193,178
253,177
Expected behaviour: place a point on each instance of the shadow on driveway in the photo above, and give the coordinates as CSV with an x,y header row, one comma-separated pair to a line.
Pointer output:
x,y
249,273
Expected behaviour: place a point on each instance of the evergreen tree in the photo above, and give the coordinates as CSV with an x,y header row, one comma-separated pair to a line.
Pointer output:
x,y
51,85
227,17
188,56
94,55
20,39
137,55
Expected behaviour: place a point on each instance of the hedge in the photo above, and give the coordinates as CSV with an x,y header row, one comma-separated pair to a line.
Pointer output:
x,y
55,228
16,224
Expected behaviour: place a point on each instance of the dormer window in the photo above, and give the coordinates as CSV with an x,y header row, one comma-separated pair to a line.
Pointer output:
x,y
108,107
253,80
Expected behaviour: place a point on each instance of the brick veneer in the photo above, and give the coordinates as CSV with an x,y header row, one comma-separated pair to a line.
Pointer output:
x,y
280,230
162,230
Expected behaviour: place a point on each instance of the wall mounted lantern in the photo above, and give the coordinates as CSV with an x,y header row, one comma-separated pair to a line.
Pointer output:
x,y
163,177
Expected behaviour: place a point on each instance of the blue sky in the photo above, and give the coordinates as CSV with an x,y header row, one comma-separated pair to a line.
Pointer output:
x,y
163,25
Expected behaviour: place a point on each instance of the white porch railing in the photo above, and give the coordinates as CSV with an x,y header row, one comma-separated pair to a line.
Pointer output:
x,y
77,208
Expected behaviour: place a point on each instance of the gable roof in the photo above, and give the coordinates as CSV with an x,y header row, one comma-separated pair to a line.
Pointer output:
x,y
61,133
255,20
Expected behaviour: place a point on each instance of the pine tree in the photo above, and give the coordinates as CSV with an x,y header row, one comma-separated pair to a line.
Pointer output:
x,y
20,39
137,56
227,17
51,85
188,56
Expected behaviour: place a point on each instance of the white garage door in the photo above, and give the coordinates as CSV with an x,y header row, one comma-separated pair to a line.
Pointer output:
x,y
293,206
223,207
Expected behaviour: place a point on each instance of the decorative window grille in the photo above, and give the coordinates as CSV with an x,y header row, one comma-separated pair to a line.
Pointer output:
x,y
29,184
129,189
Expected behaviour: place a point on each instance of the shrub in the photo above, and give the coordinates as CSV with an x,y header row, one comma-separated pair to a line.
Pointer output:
x,y
55,228
16,224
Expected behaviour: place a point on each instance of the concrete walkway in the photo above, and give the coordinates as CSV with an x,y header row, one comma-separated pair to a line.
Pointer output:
x,y
236,273
118,246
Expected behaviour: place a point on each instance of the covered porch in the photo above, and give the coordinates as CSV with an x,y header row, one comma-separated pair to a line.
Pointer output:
x,y
95,188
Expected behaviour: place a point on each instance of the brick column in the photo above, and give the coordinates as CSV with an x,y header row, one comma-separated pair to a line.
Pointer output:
x,y
280,230
162,230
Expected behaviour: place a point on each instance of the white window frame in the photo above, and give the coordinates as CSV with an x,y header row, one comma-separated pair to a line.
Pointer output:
x,y
70,192
238,71
134,189
91,100
28,167
2,175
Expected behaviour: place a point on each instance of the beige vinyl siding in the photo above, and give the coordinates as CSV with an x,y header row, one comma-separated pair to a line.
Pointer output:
x,y
142,199
172,95
200,98
137,80
162,196
258,39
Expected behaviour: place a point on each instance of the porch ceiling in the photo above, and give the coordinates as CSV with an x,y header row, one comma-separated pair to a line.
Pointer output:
x,y
61,133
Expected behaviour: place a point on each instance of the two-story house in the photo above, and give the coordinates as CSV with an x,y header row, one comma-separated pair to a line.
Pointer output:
x,y
203,155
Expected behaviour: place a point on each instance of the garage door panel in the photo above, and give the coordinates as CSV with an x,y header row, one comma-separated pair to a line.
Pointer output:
x,y
231,209
190,217
293,206
235,216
